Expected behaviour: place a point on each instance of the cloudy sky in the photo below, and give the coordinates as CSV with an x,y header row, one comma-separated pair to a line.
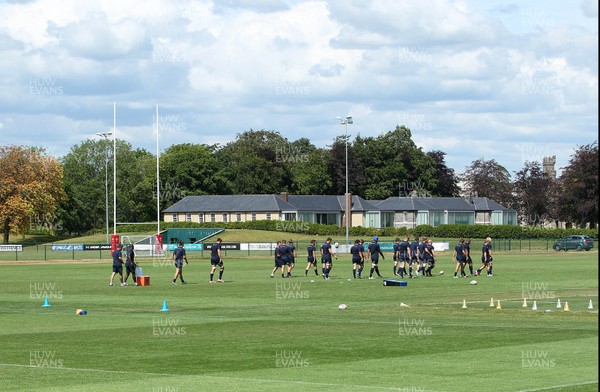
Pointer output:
x,y
507,81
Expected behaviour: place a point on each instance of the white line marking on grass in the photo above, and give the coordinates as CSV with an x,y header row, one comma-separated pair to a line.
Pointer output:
x,y
84,370
353,386
559,386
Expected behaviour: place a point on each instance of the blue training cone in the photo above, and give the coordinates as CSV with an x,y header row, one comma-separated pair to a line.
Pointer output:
x,y
46,303
164,308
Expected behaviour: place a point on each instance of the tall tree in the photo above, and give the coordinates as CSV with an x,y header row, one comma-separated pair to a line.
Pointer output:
x,y
190,169
30,186
531,194
308,167
255,163
85,183
392,164
487,178
579,187
337,168
447,180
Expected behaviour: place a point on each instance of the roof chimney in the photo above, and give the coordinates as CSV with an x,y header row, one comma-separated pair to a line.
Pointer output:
x,y
284,196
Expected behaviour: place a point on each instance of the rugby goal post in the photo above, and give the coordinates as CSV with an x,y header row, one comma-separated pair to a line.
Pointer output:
x,y
145,245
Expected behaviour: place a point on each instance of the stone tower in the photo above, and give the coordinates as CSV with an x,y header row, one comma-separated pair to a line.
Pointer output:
x,y
548,166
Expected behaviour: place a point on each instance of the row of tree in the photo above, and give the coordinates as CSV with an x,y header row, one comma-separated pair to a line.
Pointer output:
x,y
40,193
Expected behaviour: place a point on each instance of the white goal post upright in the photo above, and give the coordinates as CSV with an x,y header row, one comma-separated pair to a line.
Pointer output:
x,y
157,177
158,235
115,168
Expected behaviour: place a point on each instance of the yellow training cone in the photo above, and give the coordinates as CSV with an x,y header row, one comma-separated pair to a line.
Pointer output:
x,y
524,302
492,302
590,306
566,306
498,307
464,304
534,307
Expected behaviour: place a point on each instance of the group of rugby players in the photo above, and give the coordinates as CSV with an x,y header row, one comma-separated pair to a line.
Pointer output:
x,y
462,256
418,255
285,256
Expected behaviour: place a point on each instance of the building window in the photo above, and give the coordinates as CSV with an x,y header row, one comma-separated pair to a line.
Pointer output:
x,y
253,216
238,217
213,218
461,218
289,216
188,217
268,216
387,219
327,219
306,217
436,218
200,218
372,219
224,217
175,219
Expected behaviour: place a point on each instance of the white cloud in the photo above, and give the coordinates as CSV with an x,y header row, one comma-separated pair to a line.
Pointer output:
x,y
455,72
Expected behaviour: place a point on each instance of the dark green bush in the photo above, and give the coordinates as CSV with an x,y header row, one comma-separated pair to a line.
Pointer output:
x,y
442,231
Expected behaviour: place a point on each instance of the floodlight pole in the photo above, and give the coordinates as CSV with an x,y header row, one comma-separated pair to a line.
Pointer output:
x,y
105,135
346,121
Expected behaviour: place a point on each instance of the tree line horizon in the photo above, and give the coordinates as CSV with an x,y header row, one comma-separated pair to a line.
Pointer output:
x,y
68,194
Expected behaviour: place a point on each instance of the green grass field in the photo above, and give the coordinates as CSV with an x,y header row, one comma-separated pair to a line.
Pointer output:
x,y
254,333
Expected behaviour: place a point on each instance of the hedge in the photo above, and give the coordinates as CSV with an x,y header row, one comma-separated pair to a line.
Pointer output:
x,y
443,231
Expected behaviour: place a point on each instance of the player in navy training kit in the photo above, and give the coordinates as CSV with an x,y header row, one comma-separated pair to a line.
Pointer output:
x,y
414,262
216,260
374,252
285,255
311,259
357,257
117,265
469,260
179,257
292,256
278,260
396,255
326,262
486,258
403,255
489,240
421,251
361,265
429,257
460,256
130,265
